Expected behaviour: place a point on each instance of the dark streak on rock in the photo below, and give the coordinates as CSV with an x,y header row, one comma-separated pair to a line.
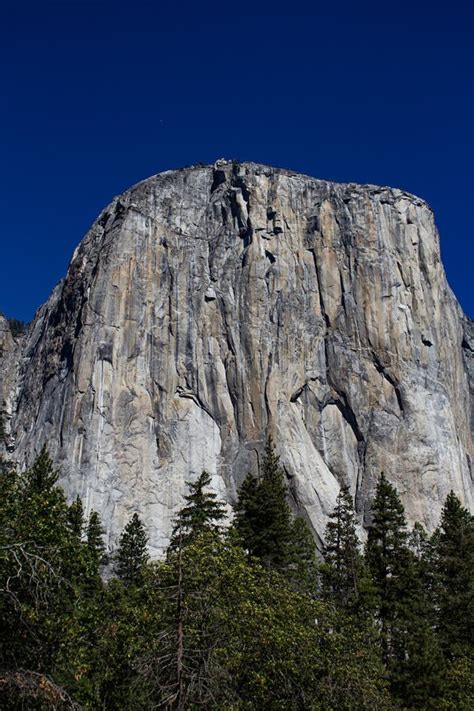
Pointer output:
x,y
390,379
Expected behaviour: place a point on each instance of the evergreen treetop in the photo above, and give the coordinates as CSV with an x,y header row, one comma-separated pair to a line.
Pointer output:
x,y
387,557
387,534
403,612
343,572
211,627
247,514
76,517
266,528
263,519
132,554
43,504
202,513
95,540
453,546
41,475
302,569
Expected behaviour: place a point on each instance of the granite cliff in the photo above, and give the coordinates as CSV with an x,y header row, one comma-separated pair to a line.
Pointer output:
x,y
209,306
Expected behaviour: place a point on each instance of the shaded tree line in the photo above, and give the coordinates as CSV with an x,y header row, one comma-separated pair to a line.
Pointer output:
x,y
235,617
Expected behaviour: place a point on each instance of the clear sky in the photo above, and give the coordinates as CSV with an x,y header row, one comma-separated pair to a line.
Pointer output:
x,y
96,95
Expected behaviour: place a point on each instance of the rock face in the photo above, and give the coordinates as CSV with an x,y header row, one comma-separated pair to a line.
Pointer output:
x,y
210,306
10,358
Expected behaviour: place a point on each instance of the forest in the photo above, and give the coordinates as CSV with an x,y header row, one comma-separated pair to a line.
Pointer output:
x,y
241,616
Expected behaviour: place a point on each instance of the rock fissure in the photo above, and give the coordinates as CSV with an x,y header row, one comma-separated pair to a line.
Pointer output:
x,y
390,379
212,306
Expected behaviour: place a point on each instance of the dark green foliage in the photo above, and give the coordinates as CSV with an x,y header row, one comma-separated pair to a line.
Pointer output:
x,y
457,685
250,641
43,568
454,582
404,612
344,577
95,538
211,627
272,535
202,512
102,646
266,528
301,570
42,477
132,554
387,558
247,513
263,518
416,667
76,518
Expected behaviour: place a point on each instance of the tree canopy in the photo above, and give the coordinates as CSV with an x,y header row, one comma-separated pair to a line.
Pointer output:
x,y
225,620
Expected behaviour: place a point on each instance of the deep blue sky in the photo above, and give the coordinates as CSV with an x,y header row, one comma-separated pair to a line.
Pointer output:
x,y
96,95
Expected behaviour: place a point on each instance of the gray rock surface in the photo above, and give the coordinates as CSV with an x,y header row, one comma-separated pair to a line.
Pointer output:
x,y
10,359
210,306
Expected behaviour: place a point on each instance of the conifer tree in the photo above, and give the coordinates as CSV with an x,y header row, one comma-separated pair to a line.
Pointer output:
x,y
40,564
44,508
275,533
454,578
343,572
387,557
42,475
423,550
76,518
418,541
302,569
202,513
246,521
95,541
416,665
263,515
132,554
409,648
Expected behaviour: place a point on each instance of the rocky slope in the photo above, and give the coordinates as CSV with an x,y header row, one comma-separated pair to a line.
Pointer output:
x,y
10,358
212,305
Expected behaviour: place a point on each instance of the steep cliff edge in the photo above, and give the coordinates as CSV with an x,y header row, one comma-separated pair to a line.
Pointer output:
x,y
10,358
211,305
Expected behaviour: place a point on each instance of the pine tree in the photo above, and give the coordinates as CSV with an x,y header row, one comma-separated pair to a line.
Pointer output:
x,y
344,578
275,533
95,542
422,547
132,554
263,516
246,521
76,518
403,611
302,569
44,504
417,668
41,563
386,557
42,475
202,513
454,578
